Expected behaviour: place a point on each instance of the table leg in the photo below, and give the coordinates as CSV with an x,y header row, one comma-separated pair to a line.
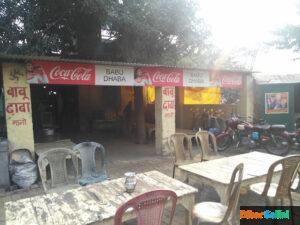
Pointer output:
x,y
220,188
188,217
188,204
222,192
181,175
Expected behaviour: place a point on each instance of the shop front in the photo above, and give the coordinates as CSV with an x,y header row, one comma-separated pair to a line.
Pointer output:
x,y
277,99
49,96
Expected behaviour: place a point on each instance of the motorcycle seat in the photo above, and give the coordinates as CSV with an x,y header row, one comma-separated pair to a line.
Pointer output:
x,y
262,127
291,134
278,127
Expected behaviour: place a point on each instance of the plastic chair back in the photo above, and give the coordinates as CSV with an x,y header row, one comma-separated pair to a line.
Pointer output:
x,y
87,152
182,146
149,207
290,167
56,158
206,141
233,191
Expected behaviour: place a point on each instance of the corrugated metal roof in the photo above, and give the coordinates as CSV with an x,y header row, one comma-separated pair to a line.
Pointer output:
x,y
277,79
28,58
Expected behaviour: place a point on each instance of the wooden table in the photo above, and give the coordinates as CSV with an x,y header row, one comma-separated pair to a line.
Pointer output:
x,y
217,173
42,147
95,203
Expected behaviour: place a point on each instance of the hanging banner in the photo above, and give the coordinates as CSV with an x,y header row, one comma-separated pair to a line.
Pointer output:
x,y
45,72
197,78
114,75
158,77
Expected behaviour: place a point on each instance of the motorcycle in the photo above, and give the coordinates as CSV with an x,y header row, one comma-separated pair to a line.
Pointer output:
x,y
270,137
232,135
294,137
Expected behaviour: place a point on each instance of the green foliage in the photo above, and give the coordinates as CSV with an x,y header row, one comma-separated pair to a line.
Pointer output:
x,y
146,31
289,36
57,26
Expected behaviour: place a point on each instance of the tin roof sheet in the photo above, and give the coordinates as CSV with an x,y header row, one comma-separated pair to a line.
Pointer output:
x,y
277,78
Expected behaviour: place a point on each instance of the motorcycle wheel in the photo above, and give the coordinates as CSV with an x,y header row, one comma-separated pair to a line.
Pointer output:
x,y
279,146
224,142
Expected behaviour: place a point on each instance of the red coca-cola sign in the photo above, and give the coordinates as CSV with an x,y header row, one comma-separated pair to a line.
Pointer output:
x,y
159,77
231,80
61,73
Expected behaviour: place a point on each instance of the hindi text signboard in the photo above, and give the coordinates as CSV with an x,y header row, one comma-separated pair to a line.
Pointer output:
x,y
18,107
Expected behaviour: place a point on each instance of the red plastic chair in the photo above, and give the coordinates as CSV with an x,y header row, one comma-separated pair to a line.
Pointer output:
x,y
149,207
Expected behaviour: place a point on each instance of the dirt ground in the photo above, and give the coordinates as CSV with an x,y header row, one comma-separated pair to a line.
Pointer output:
x,y
123,156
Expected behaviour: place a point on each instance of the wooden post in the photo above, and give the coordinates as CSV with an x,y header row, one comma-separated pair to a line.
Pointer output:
x,y
140,115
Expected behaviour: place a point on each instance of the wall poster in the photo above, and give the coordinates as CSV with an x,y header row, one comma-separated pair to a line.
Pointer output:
x,y
277,103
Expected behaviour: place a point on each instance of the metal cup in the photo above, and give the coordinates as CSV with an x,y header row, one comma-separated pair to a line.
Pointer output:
x,y
130,182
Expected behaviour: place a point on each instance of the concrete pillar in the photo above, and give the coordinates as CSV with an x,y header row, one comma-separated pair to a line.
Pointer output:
x,y
180,112
140,115
18,107
164,118
246,104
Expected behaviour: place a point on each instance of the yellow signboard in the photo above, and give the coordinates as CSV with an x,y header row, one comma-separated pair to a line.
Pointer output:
x,y
198,96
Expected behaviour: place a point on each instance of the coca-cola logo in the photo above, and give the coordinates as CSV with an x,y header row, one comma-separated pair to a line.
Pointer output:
x,y
172,77
79,74
232,81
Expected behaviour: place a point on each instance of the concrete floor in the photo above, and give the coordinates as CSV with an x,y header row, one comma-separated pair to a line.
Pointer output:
x,y
124,155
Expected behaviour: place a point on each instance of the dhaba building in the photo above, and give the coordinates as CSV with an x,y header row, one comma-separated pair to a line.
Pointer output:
x,y
48,95
277,98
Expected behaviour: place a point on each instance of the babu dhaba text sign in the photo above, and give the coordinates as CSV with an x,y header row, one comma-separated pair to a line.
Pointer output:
x,y
114,75
197,78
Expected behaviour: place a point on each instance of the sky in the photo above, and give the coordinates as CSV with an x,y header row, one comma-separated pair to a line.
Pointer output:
x,y
250,23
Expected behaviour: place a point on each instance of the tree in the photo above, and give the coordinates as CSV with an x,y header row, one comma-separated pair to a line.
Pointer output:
x,y
66,27
145,31
159,30
289,36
